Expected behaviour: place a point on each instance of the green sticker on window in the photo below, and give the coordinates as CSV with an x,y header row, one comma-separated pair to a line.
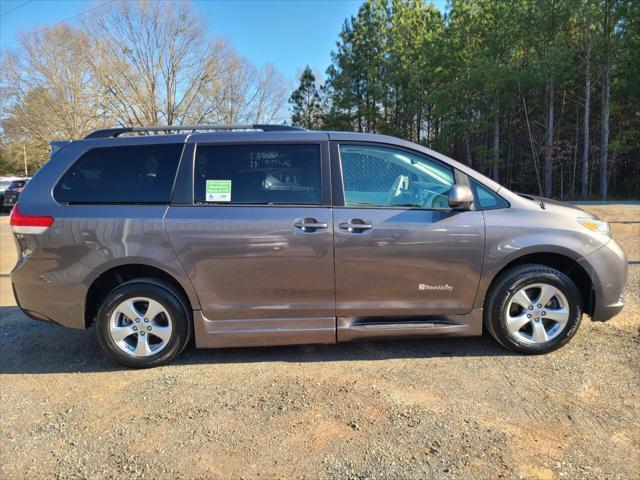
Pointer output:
x,y
218,191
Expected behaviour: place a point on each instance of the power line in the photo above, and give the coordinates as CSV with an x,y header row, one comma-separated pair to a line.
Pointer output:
x,y
58,23
16,8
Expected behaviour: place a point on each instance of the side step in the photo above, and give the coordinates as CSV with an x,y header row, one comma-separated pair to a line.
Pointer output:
x,y
356,328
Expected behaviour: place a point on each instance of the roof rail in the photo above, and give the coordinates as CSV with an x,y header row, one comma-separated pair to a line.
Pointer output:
x,y
115,132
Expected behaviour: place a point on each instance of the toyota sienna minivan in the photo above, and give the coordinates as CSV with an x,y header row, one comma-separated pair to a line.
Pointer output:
x,y
275,235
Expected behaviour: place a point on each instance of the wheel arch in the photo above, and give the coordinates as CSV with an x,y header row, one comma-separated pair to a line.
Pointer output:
x,y
115,275
565,263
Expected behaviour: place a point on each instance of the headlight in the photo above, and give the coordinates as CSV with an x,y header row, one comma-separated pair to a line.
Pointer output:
x,y
595,225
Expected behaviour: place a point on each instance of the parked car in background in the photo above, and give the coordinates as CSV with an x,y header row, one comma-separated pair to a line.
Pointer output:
x,y
3,186
274,235
5,181
12,193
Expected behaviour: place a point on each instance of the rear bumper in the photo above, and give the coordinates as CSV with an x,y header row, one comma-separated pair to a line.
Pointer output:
x,y
29,313
61,312
40,297
607,268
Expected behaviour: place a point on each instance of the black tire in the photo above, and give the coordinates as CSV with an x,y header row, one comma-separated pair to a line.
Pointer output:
x,y
161,292
511,281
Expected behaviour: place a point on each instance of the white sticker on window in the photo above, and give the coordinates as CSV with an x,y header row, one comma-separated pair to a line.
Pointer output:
x,y
218,191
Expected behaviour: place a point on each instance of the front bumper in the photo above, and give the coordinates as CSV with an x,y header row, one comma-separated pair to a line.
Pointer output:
x,y
607,268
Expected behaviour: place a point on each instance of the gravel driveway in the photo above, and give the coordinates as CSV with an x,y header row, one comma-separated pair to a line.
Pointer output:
x,y
419,409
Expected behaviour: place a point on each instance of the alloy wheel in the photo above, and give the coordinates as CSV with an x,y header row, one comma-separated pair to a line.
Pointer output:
x,y
140,326
537,313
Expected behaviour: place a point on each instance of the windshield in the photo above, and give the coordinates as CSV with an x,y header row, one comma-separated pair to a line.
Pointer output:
x,y
4,185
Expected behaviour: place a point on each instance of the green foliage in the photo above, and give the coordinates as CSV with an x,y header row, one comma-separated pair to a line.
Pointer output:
x,y
459,82
306,102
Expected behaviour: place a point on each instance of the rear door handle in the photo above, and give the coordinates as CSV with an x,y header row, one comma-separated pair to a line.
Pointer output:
x,y
355,225
310,225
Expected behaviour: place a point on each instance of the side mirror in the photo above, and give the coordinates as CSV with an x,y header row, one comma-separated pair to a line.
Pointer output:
x,y
460,197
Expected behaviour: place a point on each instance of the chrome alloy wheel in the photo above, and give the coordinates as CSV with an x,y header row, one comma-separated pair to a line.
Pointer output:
x,y
537,313
140,326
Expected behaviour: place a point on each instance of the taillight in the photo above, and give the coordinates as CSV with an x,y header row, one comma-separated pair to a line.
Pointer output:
x,y
28,224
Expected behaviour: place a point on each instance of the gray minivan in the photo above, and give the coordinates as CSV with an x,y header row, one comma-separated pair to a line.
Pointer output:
x,y
274,235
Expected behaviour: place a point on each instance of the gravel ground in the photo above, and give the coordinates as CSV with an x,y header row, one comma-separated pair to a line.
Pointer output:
x,y
419,409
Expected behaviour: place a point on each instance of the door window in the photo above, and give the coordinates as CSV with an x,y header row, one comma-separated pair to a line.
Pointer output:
x,y
258,174
386,177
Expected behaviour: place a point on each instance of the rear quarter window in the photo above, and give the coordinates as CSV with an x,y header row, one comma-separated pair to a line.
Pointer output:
x,y
121,175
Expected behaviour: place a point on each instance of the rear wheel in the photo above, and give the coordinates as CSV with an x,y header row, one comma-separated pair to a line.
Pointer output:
x,y
533,309
143,323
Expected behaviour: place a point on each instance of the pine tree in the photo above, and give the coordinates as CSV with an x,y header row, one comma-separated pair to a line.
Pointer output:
x,y
306,102
459,82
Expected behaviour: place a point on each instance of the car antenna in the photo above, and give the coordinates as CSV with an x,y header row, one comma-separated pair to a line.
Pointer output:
x,y
534,153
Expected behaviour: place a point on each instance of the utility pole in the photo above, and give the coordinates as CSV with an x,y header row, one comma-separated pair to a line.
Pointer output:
x,y
24,153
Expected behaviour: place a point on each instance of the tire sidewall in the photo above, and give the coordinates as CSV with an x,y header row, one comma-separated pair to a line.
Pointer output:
x,y
519,280
180,326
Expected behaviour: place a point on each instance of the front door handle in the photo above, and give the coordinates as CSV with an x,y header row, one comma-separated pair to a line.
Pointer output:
x,y
310,225
355,225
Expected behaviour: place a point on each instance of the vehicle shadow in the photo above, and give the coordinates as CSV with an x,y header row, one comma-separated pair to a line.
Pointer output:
x,y
28,346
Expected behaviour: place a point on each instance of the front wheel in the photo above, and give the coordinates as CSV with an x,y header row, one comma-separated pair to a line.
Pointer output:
x,y
143,323
533,309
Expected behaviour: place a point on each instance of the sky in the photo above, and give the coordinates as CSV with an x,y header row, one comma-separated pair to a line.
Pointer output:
x,y
288,33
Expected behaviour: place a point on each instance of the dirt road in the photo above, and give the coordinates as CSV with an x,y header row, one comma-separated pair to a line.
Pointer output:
x,y
419,409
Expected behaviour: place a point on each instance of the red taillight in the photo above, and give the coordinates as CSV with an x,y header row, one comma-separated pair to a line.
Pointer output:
x,y
29,224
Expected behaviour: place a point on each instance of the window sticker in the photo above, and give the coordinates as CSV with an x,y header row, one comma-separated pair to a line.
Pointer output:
x,y
218,191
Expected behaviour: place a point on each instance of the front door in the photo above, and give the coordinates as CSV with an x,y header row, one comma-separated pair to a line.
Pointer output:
x,y
257,244
400,251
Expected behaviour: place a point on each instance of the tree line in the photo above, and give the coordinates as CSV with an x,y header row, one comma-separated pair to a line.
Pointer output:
x,y
136,62
526,91
530,92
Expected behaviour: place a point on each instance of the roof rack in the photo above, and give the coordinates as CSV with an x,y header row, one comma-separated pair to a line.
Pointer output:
x,y
115,132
